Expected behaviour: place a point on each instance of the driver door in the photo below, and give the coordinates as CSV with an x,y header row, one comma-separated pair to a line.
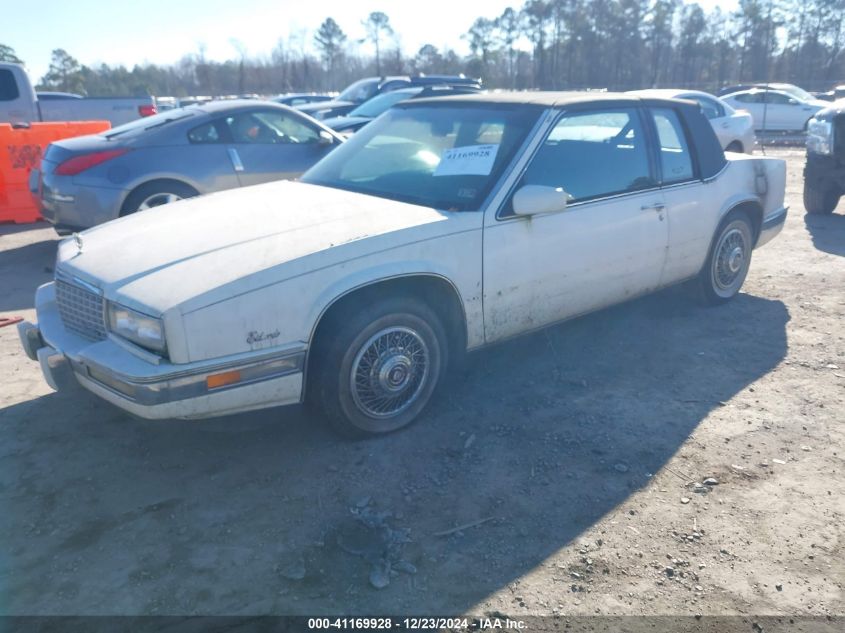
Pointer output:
x,y
268,145
608,245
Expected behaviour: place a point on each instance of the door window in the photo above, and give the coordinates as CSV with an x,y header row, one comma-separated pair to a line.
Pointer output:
x,y
675,157
204,134
270,127
749,97
777,98
593,155
8,86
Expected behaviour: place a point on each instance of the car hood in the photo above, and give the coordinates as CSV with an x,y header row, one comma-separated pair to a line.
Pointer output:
x,y
164,257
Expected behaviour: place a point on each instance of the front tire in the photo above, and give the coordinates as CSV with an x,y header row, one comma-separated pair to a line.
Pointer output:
x,y
376,370
730,257
735,146
820,201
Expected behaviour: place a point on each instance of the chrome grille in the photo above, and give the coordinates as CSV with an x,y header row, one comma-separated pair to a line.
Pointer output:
x,y
81,310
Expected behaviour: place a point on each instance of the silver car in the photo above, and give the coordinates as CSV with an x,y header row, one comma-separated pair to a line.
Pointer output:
x,y
180,153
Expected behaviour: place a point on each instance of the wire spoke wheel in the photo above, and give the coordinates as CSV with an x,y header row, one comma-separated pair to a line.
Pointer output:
x,y
730,261
389,372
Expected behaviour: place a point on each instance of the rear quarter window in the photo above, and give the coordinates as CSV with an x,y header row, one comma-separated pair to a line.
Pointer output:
x,y
675,157
8,86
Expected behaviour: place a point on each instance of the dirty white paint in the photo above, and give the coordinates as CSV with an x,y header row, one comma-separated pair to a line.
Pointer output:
x,y
252,270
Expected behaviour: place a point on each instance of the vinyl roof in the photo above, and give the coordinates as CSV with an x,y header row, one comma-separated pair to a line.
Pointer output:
x,y
547,99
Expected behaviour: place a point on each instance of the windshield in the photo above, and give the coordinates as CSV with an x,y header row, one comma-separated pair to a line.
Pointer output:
x,y
150,122
382,103
360,91
436,156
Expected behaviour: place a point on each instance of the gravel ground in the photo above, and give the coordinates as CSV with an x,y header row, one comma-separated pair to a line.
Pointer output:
x,y
656,458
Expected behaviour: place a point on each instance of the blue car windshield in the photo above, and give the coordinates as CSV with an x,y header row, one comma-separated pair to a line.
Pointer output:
x,y
446,157
377,105
360,91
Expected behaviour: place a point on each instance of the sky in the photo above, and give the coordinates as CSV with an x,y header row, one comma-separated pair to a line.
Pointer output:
x,y
163,31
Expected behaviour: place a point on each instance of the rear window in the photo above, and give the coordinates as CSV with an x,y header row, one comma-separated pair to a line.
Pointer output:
x,y
8,86
152,122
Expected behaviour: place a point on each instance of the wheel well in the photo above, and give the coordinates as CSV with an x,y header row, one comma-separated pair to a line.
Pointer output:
x,y
438,294
755,213
149,183
736,145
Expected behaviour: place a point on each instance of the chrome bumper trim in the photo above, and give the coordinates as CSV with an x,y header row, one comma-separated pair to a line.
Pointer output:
x,y
184,385
775,218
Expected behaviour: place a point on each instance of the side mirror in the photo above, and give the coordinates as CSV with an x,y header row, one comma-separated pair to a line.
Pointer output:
x,y
536,199
325,138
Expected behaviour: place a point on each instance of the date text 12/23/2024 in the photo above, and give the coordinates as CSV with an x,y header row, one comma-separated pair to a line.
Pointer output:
x,y
415,624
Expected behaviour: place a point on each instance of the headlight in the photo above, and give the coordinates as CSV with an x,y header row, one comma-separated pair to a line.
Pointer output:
x,y
141,329
819,136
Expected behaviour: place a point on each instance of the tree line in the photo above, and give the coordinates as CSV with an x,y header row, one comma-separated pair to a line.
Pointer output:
x,y
543,44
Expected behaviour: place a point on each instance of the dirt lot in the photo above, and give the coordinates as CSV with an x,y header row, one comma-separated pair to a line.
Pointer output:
x,y
575,453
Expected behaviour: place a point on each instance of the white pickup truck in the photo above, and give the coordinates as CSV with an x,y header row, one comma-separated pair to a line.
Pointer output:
x,y
20,104
443,226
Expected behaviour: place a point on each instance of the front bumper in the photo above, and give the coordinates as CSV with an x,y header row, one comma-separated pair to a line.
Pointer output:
x,y
109,369
772,225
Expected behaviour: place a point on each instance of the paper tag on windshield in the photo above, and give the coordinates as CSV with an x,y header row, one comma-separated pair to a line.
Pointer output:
x,y
471,160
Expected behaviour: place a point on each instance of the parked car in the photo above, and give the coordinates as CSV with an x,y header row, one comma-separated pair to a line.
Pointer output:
x,y
365,89
735,130
443,226
295,99
775,110
792,89
348,124
20,104
834,94
180,153
824,171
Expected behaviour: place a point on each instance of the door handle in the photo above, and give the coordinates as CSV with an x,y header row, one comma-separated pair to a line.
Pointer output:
x,y
726,125
657,206
236,159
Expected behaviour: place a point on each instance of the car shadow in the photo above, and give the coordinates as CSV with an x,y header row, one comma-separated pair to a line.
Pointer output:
x,y
827,232
531,442
24,268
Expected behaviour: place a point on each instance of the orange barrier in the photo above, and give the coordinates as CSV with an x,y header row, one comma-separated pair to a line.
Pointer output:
x,y
21,150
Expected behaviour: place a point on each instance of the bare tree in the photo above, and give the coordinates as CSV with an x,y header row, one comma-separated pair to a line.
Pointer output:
x,y
377,26
7,54
330,40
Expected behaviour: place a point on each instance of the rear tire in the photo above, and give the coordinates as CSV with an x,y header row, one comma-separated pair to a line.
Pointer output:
x,y
820,201
375,370
156,194
728,261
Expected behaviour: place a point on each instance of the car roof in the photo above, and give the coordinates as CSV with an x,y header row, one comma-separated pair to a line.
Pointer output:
x,y
234,105
756,91
671,93
548,99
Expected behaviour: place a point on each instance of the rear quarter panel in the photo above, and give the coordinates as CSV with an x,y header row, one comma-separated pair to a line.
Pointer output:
x,y
206,168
